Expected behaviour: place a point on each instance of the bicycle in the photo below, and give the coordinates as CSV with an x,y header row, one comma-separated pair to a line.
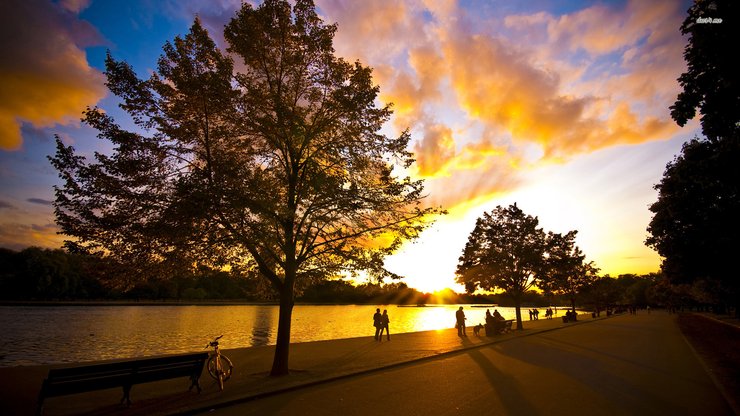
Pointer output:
x,y
219,366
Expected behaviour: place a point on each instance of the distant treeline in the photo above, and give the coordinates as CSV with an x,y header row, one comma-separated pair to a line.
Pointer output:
x,y
49,275
45,274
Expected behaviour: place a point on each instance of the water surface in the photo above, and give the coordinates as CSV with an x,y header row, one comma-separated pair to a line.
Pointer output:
x,y
33,335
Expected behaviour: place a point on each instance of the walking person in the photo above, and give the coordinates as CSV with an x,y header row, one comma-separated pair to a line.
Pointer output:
x,y
384,321
377,323
460,317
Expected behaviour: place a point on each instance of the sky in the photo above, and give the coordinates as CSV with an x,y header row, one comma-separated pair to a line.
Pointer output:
x,y
559,106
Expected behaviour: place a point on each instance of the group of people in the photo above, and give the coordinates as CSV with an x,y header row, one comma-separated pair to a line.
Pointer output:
x,y
495,321
381,323
534,314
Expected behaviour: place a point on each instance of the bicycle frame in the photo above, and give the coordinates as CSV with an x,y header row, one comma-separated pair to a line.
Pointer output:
x,y
215,364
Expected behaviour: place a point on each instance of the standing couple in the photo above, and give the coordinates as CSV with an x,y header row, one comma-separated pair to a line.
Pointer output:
x,y
380,322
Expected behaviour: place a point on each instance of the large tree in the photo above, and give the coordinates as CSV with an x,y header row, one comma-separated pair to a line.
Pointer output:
x,y
505,251
695,223
278,165
711,83
568,273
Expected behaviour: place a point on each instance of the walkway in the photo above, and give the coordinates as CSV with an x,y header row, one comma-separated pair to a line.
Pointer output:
x,y
620,365
626,365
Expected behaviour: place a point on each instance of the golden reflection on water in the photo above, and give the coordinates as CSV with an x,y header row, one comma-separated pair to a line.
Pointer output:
x,y
44,335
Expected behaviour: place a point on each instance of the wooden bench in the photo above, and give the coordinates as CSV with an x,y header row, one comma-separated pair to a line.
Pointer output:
x,y
507,325
500,327
570,317
66,381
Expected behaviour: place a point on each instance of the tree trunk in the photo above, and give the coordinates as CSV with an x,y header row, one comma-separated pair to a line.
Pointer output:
x,y
282,347
518,306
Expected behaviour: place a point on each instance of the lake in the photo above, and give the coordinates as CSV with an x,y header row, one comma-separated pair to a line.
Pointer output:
x,y
33,335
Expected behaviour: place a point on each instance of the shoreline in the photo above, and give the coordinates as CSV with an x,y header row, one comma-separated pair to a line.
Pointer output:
x,y
174,302
39,335
325,362
311,362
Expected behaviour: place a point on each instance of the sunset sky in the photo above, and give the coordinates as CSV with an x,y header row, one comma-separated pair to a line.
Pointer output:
x,y
561,107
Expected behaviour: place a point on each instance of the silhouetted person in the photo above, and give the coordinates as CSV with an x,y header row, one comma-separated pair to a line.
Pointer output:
x,y
498,322
377,323
489,317
384,321
460,317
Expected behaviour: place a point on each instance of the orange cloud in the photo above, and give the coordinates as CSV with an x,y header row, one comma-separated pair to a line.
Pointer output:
x,y
44,73
476,172
645,34
507,88
18,236
434,150
602,29
25,223
482,106
373,31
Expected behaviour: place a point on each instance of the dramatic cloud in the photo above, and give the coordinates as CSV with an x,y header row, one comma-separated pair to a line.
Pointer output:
x,y
482,105
375,31
435,150
44,74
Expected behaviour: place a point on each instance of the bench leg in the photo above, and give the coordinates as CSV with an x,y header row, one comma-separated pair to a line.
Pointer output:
x,y
194,382
126,395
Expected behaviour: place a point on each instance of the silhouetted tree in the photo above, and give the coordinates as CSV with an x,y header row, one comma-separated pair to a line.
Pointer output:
x,y
711,81
506,250
695,226
567,272
279,167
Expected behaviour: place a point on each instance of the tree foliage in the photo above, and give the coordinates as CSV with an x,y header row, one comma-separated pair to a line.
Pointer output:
x,y
568,273
710,83
695,223
508,251
278,166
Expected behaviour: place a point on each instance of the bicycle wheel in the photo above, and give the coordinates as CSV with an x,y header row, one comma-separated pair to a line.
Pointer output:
x,y
226,367
220,368
212,366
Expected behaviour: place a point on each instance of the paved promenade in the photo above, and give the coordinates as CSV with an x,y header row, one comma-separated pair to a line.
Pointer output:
x,y
619,365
